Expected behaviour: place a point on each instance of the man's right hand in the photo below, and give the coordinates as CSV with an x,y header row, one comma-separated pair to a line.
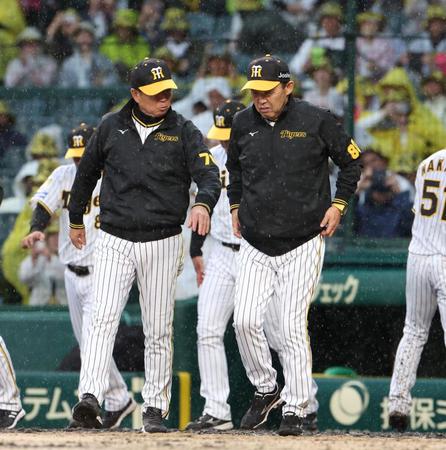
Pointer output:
x,y
236,223
198,263
77,236
32,238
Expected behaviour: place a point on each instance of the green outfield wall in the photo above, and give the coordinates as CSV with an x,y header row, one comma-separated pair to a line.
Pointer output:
x,y
345,404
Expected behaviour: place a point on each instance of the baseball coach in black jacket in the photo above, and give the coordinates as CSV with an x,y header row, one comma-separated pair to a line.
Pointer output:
x,y
148,155
281,206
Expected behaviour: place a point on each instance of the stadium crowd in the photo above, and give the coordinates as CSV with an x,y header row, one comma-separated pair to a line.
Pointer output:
x,y
400,102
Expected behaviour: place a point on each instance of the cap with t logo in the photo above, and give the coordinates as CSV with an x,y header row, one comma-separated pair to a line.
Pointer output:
x,y
266,73
223,116
77,140
151,76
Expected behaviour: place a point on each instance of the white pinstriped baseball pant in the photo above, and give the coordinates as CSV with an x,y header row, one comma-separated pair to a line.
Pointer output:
x,y
290,278
215,307
80,295
425,290
155,265
9,392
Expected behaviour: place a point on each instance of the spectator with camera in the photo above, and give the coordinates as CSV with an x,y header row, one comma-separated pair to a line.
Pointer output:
x,y
60,34
384,200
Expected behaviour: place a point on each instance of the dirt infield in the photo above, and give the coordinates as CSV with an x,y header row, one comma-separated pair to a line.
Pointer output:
x,y
131,440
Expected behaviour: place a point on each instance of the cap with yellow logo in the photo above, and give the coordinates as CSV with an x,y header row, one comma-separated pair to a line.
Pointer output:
x,y
152,76
77,140
223,116
266,73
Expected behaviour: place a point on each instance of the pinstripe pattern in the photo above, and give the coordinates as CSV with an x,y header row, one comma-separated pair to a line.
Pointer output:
x,y
215,307
144,131
9,392
425,289
155,266
53,195
221,228
292,278
425,277
80,302
428,230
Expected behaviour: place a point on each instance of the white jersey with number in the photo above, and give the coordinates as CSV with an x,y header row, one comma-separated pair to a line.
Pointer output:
x,y
429,227
425,278
221,228
54,194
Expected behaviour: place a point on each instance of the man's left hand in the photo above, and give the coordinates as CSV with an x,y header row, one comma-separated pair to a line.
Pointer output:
x,y
331,221
199,220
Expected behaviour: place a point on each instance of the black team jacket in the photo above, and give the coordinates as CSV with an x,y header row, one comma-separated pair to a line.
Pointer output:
x,y
145,187
280,177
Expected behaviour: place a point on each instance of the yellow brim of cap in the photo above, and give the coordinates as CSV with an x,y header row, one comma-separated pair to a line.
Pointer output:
x,y
260,85
219,134
159,86
74,152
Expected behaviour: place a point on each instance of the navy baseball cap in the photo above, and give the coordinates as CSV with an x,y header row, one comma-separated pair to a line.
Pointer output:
x,y
223,115
266,73
151,76
77,140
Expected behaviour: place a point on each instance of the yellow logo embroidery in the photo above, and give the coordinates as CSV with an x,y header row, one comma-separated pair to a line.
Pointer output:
x,y
78,140
287,134
165,138
354,150
157,73
220,121
256,71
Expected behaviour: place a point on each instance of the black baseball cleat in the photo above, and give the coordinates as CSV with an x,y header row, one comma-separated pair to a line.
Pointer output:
x,y
88,412
207,422
291,425
309,422
112,419
9,419
260,408
398,421
73,425
152,421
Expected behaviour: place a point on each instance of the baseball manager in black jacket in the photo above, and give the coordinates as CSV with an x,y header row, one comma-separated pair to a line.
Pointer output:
x,y
281,206
148,155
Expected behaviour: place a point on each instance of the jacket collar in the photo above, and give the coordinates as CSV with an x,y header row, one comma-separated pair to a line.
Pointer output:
x,y
126,114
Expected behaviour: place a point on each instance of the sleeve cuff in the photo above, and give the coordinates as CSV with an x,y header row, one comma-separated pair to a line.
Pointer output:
x,y
45,207
76,226
340,204
234,206
202,204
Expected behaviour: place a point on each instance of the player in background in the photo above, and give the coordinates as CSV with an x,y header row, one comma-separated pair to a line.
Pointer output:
x,y
425,283
216,296
11,410
52,196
